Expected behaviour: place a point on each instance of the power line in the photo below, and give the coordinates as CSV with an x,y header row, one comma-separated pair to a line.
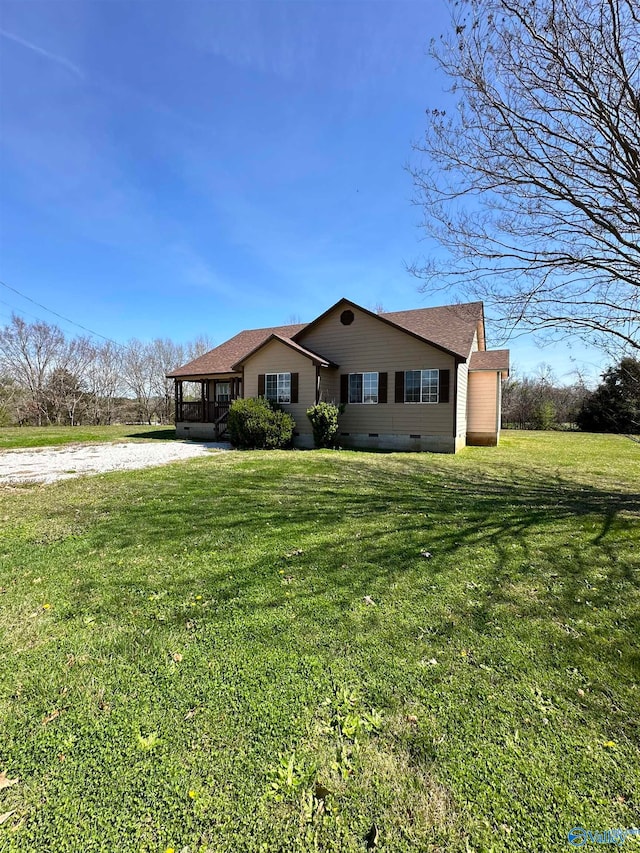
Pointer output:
x,y
60,316
20,311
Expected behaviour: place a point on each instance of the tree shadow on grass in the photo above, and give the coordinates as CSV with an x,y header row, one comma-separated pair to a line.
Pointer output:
x,y
359,532
539,547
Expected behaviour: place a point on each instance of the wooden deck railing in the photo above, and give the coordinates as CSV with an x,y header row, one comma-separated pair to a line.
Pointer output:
x,y
195,411
190,411
208,413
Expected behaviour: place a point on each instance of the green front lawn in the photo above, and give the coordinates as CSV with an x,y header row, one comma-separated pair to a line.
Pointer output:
x,y
14,437
249,652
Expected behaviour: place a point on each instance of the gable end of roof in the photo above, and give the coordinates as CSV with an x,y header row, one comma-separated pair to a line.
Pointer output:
x,y
317,359
383,318
424,324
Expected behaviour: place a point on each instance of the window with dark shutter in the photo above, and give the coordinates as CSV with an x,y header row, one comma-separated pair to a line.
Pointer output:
x,y
363,387
278,387
261,385
424,386
294,387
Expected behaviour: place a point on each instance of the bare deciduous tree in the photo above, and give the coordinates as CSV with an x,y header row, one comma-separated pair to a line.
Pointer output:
x,y
64,397
533,185
67,388
48,378
12,400
104,381
166,356
540,401
138,376
28,352
197,347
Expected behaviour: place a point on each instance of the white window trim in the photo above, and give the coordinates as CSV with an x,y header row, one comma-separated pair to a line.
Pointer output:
x,y
364,402
277,397
422,402
225,398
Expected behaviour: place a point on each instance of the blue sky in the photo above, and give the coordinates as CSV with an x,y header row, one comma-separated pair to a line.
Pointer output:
x,y
172,169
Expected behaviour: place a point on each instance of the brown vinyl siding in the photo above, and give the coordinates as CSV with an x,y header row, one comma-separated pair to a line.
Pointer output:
x,y
461,390
369,345
329,385
276,357
482,409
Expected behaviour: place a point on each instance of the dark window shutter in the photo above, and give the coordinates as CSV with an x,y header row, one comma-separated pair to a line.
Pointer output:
x,y
344,388
444,386
261,385
382,387
294,387
399,386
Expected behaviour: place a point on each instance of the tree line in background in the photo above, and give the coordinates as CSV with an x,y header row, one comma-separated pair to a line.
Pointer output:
x,y
540,402
47,377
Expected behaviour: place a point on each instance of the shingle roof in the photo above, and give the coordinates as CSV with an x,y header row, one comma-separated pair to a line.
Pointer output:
x,y
222,358
493,359
450,327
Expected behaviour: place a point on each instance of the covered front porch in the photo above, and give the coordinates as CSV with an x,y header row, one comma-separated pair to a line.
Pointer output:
x,y
202,405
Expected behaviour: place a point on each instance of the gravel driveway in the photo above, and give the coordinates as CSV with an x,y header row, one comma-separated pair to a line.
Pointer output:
x,y
47,464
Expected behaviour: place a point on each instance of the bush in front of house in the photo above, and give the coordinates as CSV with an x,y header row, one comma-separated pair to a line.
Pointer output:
x,y
255,425
324,423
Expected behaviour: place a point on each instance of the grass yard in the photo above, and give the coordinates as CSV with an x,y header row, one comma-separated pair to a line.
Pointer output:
x,y
250,653
15,437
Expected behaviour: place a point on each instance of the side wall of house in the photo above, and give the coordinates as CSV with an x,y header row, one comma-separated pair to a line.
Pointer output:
x,y
462,387
276,357
370,345
483,409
